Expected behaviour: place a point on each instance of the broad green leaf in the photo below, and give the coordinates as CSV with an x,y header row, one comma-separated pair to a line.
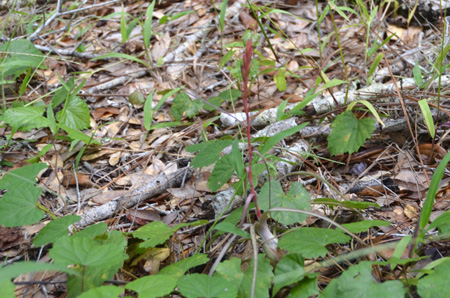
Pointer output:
x,y
230,94
21,55
63,92
223,170
365,225
280,79
92,231
426,112
18,204
231,270
228,227
154,233
296,198
358,281
153,286
24,177
306,288
210,154
432,190
25,118
55,230
202,285
289,270
102,292
158,232
86,252
75,113
183,105
436,283
264,276
311,242
178,269
16,269
349,133
213,103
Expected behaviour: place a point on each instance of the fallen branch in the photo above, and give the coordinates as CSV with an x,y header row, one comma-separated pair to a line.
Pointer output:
x,y
136,196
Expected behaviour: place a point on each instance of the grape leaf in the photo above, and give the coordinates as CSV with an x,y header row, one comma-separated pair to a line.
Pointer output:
x,y
55,229
201,285
182,105
349,133
358,281
153,286
223,170
311,242
210,153
75,113
297,198
26,118
289,270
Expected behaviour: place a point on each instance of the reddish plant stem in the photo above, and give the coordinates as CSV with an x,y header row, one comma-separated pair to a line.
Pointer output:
x,y
245,70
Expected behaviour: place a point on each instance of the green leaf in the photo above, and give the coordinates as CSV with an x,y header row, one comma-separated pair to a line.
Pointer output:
x,y
158,232
223,170
26,118
347,204
55,229
178,269
86,252
103,292
426,112
63,92
148,113
154,233
22,54
230,94
210,153
223,9
75,113
236,157
297,198
16,269
311,242
306,288
358,281
442,223
290,270
228,227
226,58
369,106
231,270
280,79
95,262
332,83
264,276
153,286
92,231
183,105
365,225
18,204
278,137
432,190
147,34
418,79
436,283
78,135
201,285
349,133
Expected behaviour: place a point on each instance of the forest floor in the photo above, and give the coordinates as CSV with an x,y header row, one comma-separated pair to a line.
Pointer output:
x,y
122,91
